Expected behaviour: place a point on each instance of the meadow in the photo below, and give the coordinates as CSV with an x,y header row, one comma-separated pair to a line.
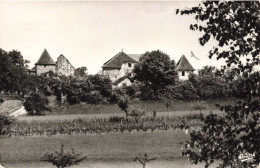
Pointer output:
x,y
102,134
102,151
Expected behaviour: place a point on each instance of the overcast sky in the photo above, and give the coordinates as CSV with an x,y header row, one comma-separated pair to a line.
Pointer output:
x,y
90,33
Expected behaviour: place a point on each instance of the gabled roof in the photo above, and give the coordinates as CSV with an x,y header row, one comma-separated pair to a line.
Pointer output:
x,y
45,59
135,56
66,60
184,65
118,60
121,80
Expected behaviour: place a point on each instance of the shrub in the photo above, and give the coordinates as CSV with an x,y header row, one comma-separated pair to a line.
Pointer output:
x,y
123,105
60,159
95,98
5,122
36,103
73,99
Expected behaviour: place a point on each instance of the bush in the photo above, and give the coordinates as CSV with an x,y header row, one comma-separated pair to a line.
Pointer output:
x,y
73,99
60,159
36,103
5,122
1,100
95,98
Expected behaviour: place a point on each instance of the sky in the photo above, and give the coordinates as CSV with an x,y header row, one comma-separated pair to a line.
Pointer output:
x,y
90,33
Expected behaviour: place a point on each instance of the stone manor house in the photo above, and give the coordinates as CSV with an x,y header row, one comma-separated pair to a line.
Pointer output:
x,y
120,67
45,64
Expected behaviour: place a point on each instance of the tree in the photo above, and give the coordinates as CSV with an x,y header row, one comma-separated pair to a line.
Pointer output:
x,y
81,71
235,26
13,77
62,159
156,70
36,103
123,105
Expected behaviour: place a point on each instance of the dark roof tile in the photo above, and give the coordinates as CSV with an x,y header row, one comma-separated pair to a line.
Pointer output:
x,y
184,65
118,60
45,59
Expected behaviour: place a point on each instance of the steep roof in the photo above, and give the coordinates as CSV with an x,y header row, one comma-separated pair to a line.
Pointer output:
x,y
184,65
135,56
118,60
64,58
45,59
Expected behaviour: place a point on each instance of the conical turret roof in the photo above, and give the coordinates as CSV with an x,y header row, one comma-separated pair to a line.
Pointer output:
x,y
45,59
184,65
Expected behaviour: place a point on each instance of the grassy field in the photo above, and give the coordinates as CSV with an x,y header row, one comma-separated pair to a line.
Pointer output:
x,y
150,105
105,150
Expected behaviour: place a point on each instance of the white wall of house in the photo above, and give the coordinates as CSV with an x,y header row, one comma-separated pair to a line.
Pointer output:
x,y
127,67
184,75
114,74
44,68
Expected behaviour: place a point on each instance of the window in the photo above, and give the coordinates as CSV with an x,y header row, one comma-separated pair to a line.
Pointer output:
x,y
129,65
183,73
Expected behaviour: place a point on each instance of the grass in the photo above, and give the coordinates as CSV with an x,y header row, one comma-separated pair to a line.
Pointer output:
x,y
104,147
158,106
102,151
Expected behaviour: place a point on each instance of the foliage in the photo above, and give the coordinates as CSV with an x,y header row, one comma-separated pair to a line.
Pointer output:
x,y
156,70
123,105
95,98
80,72
13,77
61,159
144,159
137,113
235,27
5,122
36,103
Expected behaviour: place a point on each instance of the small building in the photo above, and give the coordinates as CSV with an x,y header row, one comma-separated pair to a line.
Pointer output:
x,y
123,81
44,64
118,66
64,67
184,68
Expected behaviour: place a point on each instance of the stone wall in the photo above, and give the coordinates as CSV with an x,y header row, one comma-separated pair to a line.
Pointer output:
x,y
113,74
44,68
63,66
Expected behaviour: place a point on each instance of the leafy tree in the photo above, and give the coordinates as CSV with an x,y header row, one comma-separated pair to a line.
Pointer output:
x,y
235,27
81,71
62,159
123,105
36,103
13,77
156,70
